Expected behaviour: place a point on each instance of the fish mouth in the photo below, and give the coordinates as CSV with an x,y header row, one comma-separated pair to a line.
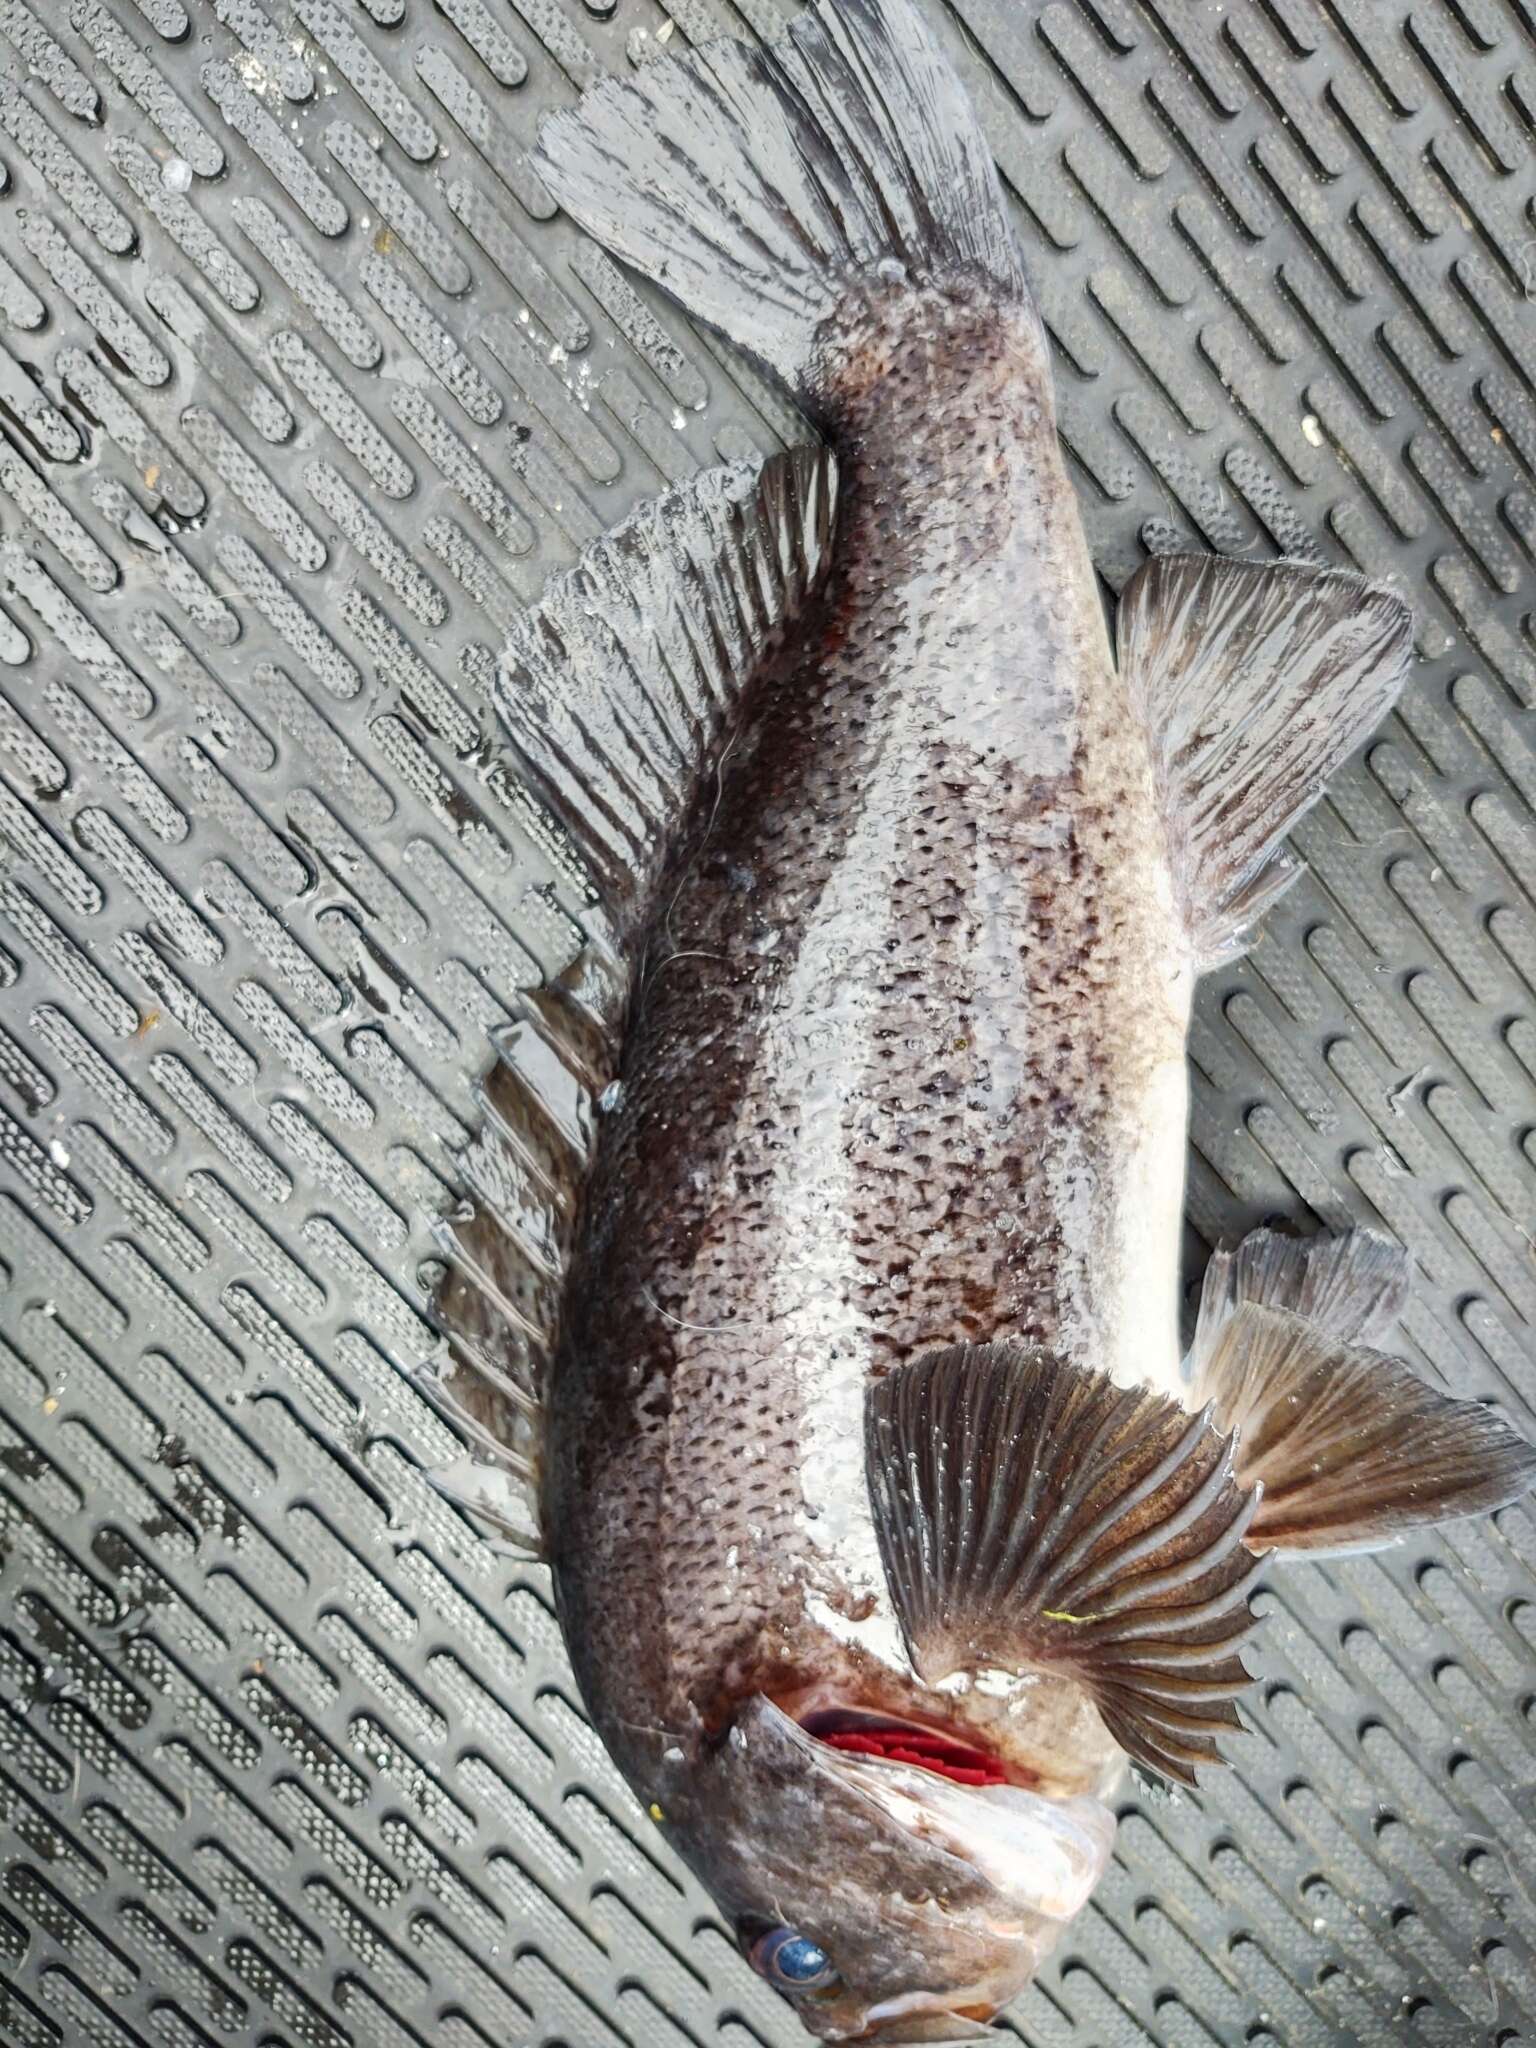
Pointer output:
x,y
935,2026
887,1758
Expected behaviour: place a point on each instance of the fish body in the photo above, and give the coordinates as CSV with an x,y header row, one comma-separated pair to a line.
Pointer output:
x,y
905,1067
821,1277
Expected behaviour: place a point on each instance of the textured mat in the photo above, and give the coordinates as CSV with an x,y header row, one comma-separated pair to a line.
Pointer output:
x,y
302,393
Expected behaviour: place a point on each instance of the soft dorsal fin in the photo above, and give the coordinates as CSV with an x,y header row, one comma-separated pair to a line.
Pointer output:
x,y
618,690
1256,681
1031,1513
618,693
1351,1448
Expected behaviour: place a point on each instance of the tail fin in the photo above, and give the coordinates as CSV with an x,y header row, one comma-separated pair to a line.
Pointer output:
x,y
1350,1446
756,185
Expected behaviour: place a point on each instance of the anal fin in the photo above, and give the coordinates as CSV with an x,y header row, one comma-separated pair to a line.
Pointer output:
x,y
1351,1448
1255,682
1031,1514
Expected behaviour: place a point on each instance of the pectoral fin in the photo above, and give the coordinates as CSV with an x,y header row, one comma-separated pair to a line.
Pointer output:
x,y
1255,681
1351,1448
1033,1515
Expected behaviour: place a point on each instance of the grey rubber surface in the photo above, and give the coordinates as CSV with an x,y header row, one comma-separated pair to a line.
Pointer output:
x,y
302,394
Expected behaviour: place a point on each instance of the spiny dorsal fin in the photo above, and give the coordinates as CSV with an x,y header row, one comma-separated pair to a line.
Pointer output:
x,y
1351,1448
1256,681
1031,1513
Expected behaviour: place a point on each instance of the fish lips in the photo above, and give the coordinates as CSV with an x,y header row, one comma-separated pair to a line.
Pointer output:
x,y
931,2025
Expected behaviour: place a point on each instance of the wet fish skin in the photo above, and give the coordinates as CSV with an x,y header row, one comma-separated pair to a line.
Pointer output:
x,y
896,992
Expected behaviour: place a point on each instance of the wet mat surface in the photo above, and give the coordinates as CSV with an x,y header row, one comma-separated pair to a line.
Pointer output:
x,y
303,393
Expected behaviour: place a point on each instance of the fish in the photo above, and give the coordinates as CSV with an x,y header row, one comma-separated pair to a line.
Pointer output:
x,y
813,1303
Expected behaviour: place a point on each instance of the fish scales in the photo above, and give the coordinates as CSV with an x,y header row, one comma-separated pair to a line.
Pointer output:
x,y
905,1013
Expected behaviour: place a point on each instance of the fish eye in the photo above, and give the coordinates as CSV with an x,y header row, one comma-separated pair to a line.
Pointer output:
x,y
791,1961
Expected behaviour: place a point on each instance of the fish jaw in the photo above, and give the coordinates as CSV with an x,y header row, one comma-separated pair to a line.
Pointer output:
x,y
1056,1849
1039,1858
928,2023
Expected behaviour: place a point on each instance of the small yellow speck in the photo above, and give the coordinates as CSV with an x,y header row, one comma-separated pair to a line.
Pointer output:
x,y
152,476
1060,1614
656,1812
50,1405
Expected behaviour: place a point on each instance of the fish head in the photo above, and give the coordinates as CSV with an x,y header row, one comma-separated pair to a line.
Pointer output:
x,y
885,1901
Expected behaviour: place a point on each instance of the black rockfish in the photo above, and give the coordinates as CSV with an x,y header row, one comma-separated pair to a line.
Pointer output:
x,y
822,1271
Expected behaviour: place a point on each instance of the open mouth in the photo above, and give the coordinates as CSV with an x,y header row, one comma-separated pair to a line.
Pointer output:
x,y
887,1738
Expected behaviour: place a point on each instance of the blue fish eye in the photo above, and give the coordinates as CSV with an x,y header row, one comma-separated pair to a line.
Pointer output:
x,y
792,1961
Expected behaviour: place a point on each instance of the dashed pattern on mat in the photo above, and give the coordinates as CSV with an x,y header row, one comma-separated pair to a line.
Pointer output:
x,y
304,391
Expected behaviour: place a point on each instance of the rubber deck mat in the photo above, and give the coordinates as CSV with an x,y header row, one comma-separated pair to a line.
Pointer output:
x,y
303,392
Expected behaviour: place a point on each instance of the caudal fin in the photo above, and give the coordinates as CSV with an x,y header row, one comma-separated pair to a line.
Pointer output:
x,y
1352,1449
756,185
